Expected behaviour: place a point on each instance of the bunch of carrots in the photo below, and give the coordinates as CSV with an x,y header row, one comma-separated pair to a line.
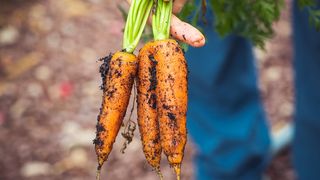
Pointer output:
x,y
160,72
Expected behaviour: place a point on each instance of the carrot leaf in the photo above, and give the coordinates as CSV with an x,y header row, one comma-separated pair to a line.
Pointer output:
x,y
252,19
161,20
136,20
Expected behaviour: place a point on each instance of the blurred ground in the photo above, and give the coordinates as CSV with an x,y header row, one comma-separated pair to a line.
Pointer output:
x,y
49,91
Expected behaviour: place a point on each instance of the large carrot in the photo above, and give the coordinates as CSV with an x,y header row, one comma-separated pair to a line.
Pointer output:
x,y
118,73
147,107
172,100
171,87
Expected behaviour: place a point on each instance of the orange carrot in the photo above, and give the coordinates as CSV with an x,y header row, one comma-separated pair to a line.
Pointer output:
x,y
147,107
171,100
172,93
118,74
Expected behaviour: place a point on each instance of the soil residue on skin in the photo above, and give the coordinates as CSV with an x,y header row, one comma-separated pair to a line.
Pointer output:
x,y
118,73
104,68
109,93
100,128
153,73
165,107
174,142
171,116
173,120
97,141
153,101
184,37
156,141
177,49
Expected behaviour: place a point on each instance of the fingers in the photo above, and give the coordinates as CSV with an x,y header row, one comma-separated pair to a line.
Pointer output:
x,y
186,33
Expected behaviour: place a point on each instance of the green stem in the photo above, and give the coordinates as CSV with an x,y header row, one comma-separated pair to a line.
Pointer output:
x,y
140,14
161,20
136,21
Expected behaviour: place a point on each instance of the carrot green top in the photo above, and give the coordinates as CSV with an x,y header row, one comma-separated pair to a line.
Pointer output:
x,y
137,17
161,20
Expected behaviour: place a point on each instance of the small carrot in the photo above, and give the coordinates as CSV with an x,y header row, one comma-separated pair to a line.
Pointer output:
x,y
119,72
172,100
147,107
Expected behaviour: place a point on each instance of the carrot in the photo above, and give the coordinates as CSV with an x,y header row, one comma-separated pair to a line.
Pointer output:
x,y
171,88
118,73
172,100
118,76
147,107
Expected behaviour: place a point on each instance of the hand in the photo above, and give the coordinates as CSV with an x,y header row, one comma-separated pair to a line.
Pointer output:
x,y
183,31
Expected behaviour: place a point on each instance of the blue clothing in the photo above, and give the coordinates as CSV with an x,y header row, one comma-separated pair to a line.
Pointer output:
x,y
226,119
306,148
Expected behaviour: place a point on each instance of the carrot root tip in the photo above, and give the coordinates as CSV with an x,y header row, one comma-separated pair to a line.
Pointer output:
x,y
98,174
158,171
177,170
